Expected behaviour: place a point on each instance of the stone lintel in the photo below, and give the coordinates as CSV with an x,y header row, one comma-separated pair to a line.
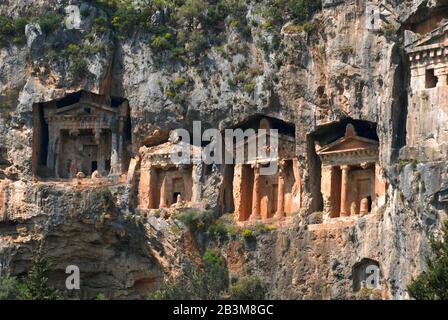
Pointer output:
x,y
350,158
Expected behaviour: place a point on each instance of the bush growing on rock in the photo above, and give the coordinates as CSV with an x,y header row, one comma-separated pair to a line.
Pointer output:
x,y
248,288
196,220
101,296
6,26
433,284
33,287
12,29
248,234
10,288
207,282
36,284
50,22
217,231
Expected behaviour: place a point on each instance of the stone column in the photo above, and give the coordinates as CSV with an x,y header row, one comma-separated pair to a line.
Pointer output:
x,y
121,146
152,187
2,201
256,194
281,191
238,191
197,187
162,203
344,189
114,161
327,190
52,150
144,191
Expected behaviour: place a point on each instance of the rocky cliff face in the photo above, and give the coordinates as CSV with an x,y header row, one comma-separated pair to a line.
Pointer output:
x,y
349,62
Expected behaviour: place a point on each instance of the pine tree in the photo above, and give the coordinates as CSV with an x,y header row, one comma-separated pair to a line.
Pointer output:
x,y
36,285
433,284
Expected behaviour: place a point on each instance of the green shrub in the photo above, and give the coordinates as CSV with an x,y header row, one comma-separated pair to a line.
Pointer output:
x,y
101,296
180,81
19,26
250,86
50,22
433,284
6,26
389,31
262,228
78,66
197,42
207,282
10,288
309,26
17,40
36,284
217,231
196,220
13,30
190,10
277,12
100,24
248,234
233,230
248,288
161,42
72,49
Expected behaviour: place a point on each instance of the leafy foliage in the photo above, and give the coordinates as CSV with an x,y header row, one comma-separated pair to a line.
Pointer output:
x,y
101,296
195,219
33,287
248,288
206,282
36,284
10,288
248,234
185,29
13,30
50,22
217,230
277,12
433,284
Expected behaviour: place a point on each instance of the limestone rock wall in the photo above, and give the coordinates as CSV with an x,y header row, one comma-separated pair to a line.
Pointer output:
x,y
349,66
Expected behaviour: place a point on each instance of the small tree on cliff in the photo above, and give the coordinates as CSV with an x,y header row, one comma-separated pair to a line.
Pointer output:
x,y
36,284
433,284
206,282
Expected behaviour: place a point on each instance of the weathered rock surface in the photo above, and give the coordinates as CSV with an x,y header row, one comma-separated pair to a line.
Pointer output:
x,y
348,67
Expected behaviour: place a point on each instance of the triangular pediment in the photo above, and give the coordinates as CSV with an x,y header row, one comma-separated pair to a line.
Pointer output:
x,y
83,108
349,144
434,38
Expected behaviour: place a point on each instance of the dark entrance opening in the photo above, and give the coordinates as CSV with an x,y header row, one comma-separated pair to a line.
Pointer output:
x,y
175,195
94,166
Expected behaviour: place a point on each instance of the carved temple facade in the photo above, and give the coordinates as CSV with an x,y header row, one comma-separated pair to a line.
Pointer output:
x,y
261,197
90,134
164,183
427,114
351,180
81,133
